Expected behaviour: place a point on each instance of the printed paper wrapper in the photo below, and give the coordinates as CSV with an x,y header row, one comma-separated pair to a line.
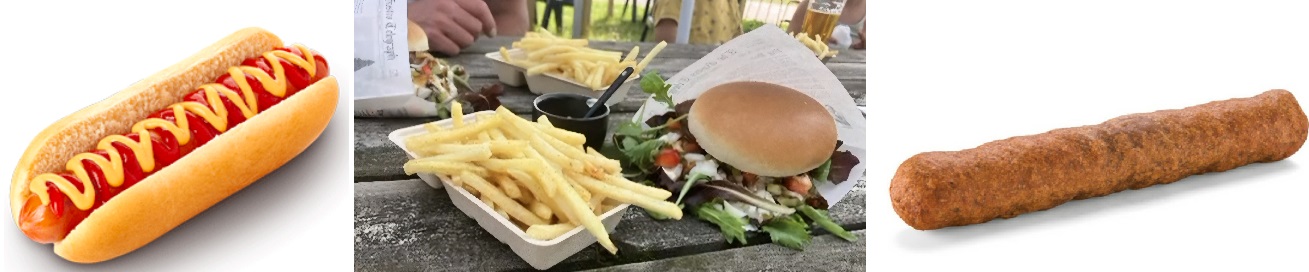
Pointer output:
x,y
383,83
769,55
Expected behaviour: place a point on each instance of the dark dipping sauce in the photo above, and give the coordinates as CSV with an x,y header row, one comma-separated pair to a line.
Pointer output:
x,y
571,107
566,111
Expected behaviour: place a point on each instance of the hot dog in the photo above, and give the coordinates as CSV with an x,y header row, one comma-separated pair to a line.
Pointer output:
x,y
1006,178
114,176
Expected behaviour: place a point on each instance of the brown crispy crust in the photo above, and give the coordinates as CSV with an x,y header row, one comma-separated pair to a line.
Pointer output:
x,y
1006,178
193,183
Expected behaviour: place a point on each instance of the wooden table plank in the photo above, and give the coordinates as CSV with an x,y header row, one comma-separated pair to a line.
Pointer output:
x,y
479,66
519,99
405,225
826,253
681,51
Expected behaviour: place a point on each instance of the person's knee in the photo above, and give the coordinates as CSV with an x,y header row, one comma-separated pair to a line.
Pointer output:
x,y
665,30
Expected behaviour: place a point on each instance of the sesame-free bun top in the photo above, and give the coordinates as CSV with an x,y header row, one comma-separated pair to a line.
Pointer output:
x,y
417,38
763,128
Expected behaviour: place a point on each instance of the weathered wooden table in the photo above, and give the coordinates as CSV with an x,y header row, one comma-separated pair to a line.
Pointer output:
x,y
401,224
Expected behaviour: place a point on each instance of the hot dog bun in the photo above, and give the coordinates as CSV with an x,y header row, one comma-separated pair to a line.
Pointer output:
x,y
195,182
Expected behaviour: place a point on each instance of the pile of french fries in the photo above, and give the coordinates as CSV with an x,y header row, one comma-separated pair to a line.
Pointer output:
x,y
813,43
532,173
571,58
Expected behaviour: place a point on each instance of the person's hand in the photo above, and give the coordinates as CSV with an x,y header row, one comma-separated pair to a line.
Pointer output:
x,y
863,38
452,24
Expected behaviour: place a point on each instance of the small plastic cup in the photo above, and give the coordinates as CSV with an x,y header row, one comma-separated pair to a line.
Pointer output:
x,y
565,110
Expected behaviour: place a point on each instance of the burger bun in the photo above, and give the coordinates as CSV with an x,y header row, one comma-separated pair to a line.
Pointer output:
x,y
763,128
417,38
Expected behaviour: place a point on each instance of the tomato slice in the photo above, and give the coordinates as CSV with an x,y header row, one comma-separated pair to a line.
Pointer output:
x,y
668,158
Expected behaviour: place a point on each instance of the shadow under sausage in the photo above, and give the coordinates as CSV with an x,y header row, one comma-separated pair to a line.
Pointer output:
x,y
917,240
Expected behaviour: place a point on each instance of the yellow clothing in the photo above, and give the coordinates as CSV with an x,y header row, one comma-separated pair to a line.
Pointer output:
x,y
713,21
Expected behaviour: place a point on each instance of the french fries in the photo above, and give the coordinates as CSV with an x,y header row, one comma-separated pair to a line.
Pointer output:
x,y
535,175
571,58
458,111
515,210
814,44
547,232
504,54
646,61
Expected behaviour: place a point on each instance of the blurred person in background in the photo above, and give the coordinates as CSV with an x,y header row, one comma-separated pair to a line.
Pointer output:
x,y
452,25
852,16
713,21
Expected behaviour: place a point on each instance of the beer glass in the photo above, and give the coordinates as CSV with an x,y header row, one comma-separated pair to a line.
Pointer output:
x,y
821,17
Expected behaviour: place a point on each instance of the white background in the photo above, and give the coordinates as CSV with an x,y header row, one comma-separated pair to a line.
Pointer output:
x,y
60,56
950,75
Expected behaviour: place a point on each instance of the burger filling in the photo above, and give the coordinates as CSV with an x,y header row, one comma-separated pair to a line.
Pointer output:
x,y
435,79
665,153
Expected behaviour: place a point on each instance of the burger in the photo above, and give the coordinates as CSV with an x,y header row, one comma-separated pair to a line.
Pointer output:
x,y
746,156
434,79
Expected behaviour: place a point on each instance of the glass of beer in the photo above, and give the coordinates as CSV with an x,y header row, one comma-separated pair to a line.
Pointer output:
x,y
821,18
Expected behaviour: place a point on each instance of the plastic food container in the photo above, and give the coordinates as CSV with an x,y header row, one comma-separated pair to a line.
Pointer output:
x,y
540,254
516,76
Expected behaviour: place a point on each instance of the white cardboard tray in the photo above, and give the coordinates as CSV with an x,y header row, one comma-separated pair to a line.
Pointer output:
x,y
516,76
540,254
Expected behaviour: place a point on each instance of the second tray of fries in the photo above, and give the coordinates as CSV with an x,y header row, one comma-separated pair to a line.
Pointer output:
x,y
529,184
548,64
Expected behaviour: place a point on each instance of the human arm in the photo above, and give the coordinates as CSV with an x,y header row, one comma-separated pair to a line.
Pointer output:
x,y
510,16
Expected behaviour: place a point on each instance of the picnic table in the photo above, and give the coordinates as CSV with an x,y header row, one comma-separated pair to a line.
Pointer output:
x,y
401,224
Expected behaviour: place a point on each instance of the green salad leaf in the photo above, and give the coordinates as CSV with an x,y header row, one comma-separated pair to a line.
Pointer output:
x,y
733,227
640,145
820,174
820,217
641,154
654,84
631,129
690,182
788,231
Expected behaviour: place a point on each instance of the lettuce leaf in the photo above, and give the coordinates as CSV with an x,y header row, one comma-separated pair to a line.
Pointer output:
x,y
788,231
732,191
820,174
640,154
653,84
733,227
820,217
842,163
690,181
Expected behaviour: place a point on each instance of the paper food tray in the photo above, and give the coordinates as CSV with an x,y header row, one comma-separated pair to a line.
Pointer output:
x,y
516,76
508,73
540,254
